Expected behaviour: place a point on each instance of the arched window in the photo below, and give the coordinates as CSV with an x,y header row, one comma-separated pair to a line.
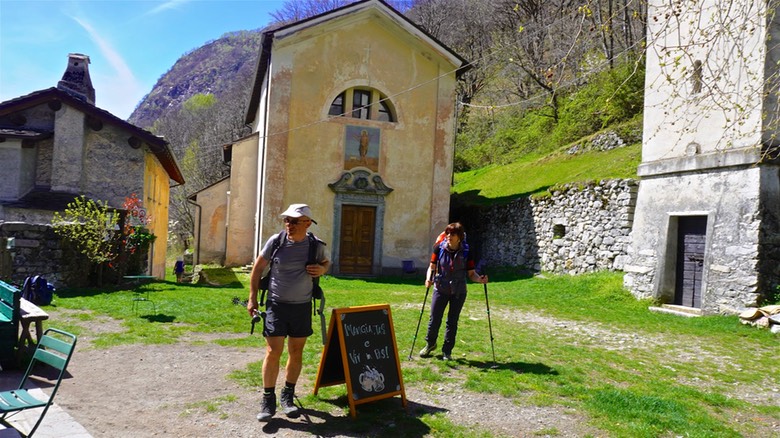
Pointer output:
x,y
363,103
337,107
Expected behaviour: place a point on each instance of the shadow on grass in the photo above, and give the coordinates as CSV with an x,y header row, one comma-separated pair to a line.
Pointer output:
x,y
381,418
518,367
153,286
230,285
497,275
159,317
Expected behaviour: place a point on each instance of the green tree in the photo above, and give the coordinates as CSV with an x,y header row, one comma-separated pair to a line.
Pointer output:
x,y
91,227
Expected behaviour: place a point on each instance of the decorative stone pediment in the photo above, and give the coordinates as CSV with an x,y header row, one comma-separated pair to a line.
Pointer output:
x,y
360,181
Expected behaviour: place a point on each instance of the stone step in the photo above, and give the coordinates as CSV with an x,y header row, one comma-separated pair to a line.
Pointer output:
x,y
673,309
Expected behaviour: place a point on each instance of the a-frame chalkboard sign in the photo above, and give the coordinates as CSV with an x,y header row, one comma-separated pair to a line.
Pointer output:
x,y
361,352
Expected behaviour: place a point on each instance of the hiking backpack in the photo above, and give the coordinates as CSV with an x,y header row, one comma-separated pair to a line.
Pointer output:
x,y
441,244
464,248
312,259
37,290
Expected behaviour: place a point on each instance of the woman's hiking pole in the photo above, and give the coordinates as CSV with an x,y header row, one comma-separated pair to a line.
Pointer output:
x,y
419,321
490,326
480,269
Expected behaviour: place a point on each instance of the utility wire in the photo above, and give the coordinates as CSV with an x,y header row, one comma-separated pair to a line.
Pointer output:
x,y
499,49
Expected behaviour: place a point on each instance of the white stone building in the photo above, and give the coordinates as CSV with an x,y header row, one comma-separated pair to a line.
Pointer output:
x,y
706,226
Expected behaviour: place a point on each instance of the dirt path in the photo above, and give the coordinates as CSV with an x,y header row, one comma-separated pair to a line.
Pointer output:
x,y
161,390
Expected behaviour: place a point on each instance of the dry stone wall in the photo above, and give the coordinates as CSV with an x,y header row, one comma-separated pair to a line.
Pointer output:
x,y
579,228
36,251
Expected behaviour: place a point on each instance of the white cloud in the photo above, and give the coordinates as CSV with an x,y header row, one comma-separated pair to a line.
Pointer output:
x,y
172,4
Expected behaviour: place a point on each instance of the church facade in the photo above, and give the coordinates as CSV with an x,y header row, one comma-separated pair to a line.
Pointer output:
x,y
353,113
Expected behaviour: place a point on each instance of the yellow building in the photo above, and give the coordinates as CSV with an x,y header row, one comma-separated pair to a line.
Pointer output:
x,y
354,114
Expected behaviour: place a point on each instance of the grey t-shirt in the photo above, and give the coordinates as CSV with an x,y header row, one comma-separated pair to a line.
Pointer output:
x,y
290,283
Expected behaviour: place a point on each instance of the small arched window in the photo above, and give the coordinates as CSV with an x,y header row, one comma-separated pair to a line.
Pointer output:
x,y
363,103
337,107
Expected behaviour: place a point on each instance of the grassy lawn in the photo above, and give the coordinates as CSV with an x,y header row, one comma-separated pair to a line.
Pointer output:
x,y
534,175
580,343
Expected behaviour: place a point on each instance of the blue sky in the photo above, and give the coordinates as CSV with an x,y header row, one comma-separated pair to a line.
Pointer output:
x,y
130,43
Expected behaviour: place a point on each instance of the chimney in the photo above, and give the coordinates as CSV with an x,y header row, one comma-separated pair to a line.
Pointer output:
x,y
76,79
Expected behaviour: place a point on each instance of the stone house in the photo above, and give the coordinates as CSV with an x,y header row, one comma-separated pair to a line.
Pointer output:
x,y
707,220
353,112
55,145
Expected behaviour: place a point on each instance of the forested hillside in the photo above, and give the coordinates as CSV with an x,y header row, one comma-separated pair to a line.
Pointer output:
x,y
543,75
199,105
219,67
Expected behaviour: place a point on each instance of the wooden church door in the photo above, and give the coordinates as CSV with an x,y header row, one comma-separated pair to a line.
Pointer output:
x,y
356,255
691,239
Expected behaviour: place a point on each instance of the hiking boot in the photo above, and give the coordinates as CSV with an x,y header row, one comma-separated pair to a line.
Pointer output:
x,y
426,351
267,407
287,402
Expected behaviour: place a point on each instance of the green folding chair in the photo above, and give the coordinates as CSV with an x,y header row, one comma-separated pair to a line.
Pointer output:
x,y
52,350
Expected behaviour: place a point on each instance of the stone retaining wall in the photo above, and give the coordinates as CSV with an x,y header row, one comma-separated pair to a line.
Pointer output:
x,y
579,228
37,251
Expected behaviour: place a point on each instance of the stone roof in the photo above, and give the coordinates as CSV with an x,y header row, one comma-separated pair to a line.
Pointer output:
x,y
157,145
24,133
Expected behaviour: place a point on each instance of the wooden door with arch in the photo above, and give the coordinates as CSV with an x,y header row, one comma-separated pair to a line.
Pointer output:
x,y
356,239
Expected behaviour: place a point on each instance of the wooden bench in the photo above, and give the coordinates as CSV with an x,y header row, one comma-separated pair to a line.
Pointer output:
x,y
10,298
30,313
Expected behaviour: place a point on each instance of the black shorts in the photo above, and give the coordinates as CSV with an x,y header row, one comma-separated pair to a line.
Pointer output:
x,y
284,319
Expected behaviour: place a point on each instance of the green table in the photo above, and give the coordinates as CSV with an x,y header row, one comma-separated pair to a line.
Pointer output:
x,y
141,296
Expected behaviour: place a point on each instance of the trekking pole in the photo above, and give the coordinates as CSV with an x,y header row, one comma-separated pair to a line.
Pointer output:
x,y
321,311
487,305
419,321
490,326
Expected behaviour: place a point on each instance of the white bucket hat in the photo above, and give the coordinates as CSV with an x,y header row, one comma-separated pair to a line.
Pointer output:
x,y
298,210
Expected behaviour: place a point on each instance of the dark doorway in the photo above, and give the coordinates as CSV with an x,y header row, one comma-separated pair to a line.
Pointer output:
x,y
691,239
356,255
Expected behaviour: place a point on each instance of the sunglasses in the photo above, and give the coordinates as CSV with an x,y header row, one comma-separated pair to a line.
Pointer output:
x,y
295,221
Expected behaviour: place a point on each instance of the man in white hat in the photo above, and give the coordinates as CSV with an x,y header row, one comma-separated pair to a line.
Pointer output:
x,y
289,303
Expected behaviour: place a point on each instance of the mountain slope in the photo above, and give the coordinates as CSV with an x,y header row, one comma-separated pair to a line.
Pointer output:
x,y
212,68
